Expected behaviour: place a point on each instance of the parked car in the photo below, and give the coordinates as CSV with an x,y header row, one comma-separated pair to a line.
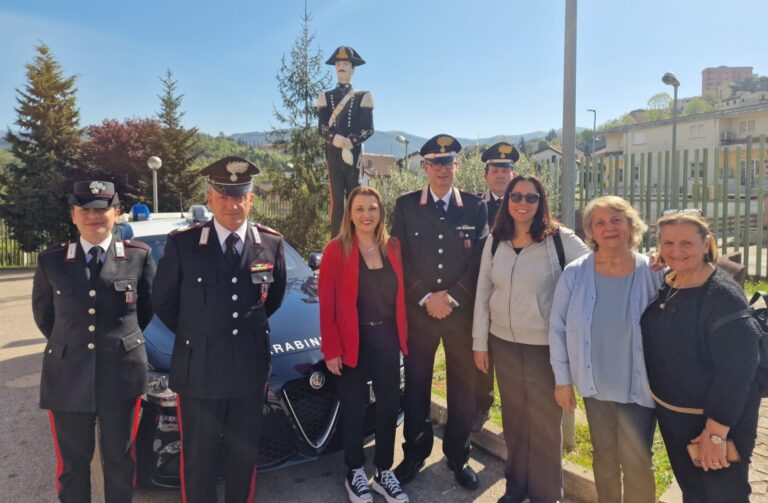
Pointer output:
x,y
301,411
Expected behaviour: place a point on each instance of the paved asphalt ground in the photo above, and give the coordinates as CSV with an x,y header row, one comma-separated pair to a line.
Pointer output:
x,y
27,461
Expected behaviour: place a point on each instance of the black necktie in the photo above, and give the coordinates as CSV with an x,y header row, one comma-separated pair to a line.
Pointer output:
x,y
94,266
440,206
231,253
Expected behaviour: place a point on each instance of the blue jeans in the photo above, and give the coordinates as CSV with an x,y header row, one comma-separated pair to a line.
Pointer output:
x,y
622,439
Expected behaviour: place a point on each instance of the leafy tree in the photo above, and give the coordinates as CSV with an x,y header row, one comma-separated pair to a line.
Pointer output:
x,y
584,141
551,135
300,79
177,147
118,151
522,147
47,147
542,145
697,105
659,107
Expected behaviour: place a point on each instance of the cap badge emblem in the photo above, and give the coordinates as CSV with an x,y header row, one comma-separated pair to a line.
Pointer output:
x,y
444,141
342,53
235,168
504,150
96,187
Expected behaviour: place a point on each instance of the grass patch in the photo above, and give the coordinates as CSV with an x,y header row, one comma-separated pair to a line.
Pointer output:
x,y
582,453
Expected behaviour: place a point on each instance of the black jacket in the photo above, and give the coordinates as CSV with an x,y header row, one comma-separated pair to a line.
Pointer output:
x,y
441,253
354,122
95,353
219,317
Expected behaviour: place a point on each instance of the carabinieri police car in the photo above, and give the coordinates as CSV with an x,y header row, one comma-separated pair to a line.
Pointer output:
x,y
301,412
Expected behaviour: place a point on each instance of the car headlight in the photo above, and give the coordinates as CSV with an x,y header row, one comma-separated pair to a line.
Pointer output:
x,y
158,391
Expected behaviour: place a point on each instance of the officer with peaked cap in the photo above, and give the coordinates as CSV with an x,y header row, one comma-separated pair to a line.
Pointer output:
x,y
499,160
91,300
216,285
442,231
346,120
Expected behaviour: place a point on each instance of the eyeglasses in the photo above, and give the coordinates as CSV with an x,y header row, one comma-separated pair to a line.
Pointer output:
x,y
686,211
530,198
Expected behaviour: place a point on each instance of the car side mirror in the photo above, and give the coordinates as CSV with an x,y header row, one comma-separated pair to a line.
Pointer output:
x,y
314,260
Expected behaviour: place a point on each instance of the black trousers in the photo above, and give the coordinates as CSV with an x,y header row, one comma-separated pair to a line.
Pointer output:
x,y
423,339
202,422
378,361
729,485
484,388
342,179
74,442
531,420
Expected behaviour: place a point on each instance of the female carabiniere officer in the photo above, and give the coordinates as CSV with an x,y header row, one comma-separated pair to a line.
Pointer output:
x,y
91,300
363,326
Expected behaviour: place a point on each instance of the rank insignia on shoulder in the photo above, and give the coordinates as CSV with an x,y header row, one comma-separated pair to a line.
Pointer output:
x,y
71,252
465,227
262,267
204,233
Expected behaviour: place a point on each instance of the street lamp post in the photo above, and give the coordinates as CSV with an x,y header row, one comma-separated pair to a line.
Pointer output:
x,y
671,80
404,141
154,164
594,128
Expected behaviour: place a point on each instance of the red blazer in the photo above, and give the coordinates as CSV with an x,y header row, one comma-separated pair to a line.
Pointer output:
x,y
338,282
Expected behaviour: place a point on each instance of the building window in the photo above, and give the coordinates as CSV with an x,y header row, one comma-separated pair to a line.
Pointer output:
x,y
700,173
638,139
697,131
746,127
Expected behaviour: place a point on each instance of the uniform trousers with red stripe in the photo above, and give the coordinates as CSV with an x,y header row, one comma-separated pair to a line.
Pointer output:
x,y
202,423
74,442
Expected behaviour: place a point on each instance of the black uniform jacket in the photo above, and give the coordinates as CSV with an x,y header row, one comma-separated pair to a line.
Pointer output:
x,y
219,316
355,121
441,252
95,353
493,206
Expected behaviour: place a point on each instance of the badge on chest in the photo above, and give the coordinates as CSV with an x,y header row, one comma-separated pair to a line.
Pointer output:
x,y
262,274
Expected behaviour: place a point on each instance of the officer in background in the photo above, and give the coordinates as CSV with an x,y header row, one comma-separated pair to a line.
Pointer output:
x,y
442,231
91,300
216,285
346,121
499,160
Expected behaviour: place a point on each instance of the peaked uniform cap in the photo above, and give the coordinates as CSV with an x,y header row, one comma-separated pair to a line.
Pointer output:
x,y
441,149
231,176
345,53
501,154
94,194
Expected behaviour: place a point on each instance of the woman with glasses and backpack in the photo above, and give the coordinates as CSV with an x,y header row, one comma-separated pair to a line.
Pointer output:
x,y
701,363
596,345
519,269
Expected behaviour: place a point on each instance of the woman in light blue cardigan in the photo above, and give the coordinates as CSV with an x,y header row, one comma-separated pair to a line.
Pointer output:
x,y
595,344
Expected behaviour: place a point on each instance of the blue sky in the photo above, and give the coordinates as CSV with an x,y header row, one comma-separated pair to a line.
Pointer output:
x,y
468,68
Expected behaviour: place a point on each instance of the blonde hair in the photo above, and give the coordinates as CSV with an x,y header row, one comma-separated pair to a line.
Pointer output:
x,y
701,225
347,232
614,203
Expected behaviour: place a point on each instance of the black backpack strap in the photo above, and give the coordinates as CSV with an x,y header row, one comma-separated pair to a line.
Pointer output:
x,y
559,248
744,313
494,245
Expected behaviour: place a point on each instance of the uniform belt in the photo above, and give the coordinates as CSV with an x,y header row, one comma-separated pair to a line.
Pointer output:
x,y
375,323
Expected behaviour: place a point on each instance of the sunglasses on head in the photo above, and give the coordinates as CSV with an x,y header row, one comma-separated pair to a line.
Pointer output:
x,y
688,211
530,198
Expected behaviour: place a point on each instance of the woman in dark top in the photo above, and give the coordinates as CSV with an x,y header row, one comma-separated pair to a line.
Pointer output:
x,y
701,379
363,328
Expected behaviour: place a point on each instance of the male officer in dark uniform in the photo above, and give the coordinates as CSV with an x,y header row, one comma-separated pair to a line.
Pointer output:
x,y
442,231
91,300
499,160
215,287
346,121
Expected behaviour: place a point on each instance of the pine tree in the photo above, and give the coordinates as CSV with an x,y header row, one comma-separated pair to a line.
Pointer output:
x,y
522,147
47,146
300,79
177,147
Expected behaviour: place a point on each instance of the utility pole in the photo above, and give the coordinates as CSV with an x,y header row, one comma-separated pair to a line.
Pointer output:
x,y
568,207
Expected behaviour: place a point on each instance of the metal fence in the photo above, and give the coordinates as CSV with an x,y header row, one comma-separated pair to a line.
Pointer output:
x,y
727,183
11,254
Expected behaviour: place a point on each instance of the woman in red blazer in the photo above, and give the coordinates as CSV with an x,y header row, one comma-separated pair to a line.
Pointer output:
x,y
363,327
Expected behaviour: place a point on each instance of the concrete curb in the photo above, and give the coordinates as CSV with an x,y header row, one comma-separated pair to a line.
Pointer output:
x,y
578,483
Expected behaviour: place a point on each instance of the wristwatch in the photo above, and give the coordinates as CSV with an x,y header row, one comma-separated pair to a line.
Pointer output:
x,y
716,439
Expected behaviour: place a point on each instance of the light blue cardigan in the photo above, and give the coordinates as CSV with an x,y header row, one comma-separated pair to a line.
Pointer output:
x,y
570,325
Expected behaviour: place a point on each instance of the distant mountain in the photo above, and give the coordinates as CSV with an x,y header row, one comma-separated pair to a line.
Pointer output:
x,y
384,142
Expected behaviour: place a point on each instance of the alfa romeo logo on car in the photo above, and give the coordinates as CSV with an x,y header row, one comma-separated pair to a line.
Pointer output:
x,y
317,380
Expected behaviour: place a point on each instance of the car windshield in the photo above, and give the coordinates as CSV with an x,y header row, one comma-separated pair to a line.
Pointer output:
x,y
295,266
